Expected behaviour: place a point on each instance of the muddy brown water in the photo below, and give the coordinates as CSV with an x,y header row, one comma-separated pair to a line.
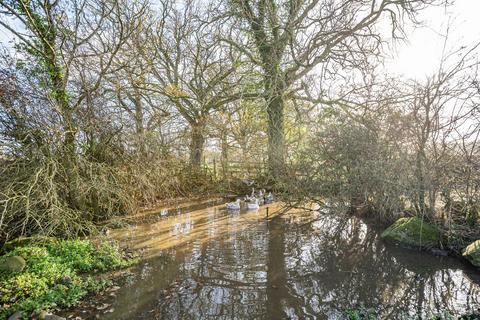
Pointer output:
x,y
297,265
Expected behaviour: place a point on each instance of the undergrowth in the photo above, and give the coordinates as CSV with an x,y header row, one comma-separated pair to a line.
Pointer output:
x,y
39,195
55,275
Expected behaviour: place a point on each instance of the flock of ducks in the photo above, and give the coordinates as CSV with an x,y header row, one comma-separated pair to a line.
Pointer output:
x,y
252,201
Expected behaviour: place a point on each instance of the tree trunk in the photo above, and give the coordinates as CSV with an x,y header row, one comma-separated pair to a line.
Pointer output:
x,y
275,131
69,137
139,127
224,159
69,157
420,181
197,144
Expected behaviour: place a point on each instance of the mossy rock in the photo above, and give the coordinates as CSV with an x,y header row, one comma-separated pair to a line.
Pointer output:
x,y
16,316
472,253
413,232
26,241
12,264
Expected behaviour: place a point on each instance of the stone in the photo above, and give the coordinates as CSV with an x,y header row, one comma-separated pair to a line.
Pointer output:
x,y
472,253
12,264
16,316
413,232
65,280
42,314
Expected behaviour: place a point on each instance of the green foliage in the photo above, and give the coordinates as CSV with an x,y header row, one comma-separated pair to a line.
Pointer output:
x,y
52,277
360,313
443,316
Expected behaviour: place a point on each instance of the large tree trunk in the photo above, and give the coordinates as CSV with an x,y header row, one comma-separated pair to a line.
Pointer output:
x,y
58,90
275,122
197,143
69,156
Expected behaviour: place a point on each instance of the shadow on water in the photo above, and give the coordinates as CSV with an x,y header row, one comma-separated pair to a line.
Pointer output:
x,y
295,266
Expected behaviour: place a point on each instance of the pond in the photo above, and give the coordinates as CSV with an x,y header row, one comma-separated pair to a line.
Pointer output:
x,y
295,265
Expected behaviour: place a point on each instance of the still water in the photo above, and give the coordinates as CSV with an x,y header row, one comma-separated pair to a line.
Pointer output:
x,y
294,265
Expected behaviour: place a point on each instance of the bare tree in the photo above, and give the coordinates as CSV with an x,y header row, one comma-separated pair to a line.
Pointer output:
x,y
196,72
289,39
438,107
63,37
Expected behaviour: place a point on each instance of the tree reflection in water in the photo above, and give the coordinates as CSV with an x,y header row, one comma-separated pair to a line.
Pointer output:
x,y
310,268
344,265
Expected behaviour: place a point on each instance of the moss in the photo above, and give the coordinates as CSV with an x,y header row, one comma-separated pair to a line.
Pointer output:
x,y
472,253
53,274
413,232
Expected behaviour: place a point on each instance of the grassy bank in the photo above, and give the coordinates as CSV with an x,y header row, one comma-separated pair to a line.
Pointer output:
x,y
55,274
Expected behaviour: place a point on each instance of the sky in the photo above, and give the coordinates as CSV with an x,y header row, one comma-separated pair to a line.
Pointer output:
x,y
420,55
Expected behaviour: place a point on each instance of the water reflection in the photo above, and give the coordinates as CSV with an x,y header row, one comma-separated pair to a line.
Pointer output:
x,y
294,266
345,264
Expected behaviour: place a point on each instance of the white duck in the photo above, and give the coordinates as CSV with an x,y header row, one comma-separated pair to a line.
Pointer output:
x,y
250,198
253,205
261,196
233,205
268,198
